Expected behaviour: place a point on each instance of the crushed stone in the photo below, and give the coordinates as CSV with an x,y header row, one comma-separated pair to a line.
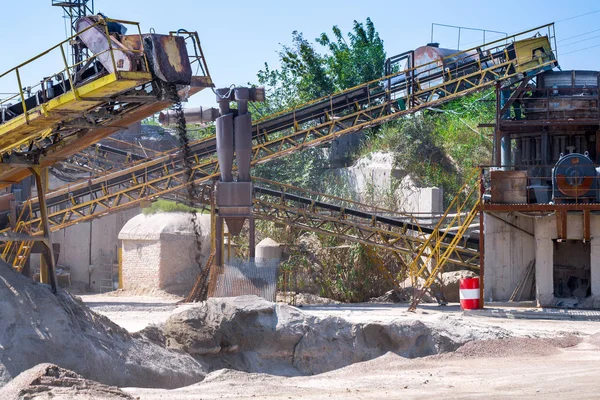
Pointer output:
x,y
38,326
49,381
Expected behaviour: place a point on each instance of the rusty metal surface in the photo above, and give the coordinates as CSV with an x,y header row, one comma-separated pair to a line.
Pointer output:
x,y
96,40
241,277
509,186
540,208
168,58
14,174
561,107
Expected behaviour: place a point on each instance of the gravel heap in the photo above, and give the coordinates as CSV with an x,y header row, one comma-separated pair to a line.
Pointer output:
x,y
40,327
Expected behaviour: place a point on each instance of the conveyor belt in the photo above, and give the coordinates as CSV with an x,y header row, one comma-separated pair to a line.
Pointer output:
x,y
312,124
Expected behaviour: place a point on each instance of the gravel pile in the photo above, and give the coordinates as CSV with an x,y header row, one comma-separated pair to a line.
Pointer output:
x,y
37,327
514,347
49,381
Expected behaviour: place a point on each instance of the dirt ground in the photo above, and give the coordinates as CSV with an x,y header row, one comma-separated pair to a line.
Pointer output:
x,y
570,373
134,313
530,365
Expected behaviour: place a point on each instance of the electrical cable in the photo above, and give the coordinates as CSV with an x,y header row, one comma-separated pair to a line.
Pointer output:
x,y
578,50
577,16
579,41
576,36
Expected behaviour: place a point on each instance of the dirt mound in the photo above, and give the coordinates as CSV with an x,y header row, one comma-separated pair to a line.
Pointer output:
x,y
40,327
250,334
514,347
47,381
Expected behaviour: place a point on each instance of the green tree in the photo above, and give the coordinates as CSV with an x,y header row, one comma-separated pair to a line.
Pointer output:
x,y
358,60
305,74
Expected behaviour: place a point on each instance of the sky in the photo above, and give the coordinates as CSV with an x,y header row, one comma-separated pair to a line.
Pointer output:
x,y
238,37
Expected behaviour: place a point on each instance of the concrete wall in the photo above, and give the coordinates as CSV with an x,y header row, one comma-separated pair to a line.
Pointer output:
x,y
546,232
508,252
89,243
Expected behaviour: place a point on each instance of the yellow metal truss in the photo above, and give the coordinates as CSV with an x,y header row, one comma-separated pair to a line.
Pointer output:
x,y
437,250
164,175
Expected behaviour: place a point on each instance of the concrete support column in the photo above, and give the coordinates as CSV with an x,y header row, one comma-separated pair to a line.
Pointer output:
x,y
544,266
595,271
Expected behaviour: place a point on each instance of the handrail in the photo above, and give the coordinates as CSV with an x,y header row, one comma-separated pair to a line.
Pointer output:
x,y
69,69
399,73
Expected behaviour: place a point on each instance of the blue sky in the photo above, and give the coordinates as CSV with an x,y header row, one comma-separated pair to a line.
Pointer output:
x,y
238,37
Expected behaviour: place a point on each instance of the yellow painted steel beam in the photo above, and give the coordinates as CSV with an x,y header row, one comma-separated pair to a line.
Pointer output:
x,y
316,130
39,122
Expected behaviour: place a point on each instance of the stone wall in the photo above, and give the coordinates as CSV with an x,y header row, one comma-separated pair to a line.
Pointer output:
x,y
142,259
178,269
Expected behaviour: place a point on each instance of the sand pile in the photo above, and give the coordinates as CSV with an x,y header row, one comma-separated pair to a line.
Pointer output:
x,y
514,347
250,334
49,381
37,327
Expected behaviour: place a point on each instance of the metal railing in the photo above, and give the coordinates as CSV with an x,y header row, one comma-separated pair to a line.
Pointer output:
x,y
43,90
196,58
312,124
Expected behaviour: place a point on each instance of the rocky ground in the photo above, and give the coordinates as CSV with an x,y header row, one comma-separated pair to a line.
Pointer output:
x,y
249,348
37,326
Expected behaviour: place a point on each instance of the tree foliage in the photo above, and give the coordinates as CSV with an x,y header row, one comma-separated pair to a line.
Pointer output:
x,y
306,74
312,70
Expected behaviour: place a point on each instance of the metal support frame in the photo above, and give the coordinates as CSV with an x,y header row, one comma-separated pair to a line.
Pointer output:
x,y
252,238
47,274
312,125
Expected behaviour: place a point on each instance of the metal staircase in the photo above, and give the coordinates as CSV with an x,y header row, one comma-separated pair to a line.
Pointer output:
x,y
437,250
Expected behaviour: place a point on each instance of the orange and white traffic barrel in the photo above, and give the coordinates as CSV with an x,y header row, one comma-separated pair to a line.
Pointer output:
x,y
469,293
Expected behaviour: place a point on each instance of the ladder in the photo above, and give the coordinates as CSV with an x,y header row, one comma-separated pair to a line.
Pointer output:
x,y
466,200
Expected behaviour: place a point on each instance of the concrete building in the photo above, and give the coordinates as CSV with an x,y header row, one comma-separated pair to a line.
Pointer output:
x,y
159,252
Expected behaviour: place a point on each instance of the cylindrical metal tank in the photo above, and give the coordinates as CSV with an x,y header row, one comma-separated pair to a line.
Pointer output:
x,y
194,115
225,146
243,146
433,63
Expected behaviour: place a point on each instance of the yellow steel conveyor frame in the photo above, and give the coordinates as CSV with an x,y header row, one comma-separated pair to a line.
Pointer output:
x,y
38,122
33,128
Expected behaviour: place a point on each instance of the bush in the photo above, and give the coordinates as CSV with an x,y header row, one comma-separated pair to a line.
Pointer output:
x,y
167,206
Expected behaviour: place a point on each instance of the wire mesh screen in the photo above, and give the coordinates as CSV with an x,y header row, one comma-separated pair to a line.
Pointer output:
x,y
243,277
